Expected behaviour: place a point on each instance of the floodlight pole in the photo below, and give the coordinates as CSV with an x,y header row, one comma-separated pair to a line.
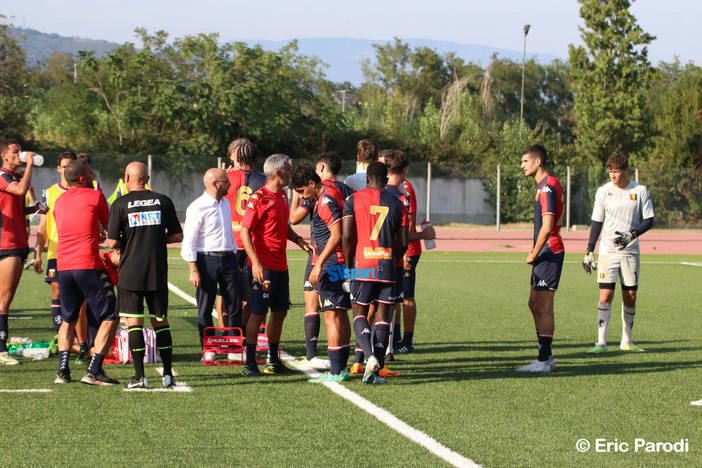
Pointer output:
x,y
525,31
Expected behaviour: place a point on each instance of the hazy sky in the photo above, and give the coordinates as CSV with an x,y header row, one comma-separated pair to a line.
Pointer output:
x,y
497,23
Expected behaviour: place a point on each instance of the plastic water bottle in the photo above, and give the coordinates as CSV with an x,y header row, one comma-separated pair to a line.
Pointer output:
x,y
428,243
36,353
38,158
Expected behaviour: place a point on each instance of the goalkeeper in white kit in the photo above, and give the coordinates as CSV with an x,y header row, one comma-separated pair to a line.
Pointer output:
x,y
623,212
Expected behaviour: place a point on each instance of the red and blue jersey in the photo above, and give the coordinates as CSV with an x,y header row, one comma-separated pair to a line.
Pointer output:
x,y
404,197
549,201
266,217
414,248
13,230
243,184
327,212
379,217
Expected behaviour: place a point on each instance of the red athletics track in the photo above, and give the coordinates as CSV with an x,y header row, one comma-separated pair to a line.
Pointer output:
x,y
682,242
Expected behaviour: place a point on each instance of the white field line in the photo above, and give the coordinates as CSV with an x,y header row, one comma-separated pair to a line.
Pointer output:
x,y
20,318
179,386
27,390
382,415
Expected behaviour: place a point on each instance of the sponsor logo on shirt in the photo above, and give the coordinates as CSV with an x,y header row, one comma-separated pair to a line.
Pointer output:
x,y
147,218
151,202
378,252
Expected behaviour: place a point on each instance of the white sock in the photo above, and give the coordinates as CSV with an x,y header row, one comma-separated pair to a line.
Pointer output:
x,y
604,312
627,323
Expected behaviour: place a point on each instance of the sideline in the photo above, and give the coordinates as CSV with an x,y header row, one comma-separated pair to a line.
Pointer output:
x,y
379,413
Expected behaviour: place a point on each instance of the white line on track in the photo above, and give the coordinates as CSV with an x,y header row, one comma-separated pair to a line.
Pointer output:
x,y
27,390
379,413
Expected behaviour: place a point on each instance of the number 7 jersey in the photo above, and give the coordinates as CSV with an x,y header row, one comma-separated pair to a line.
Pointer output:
x,y
379,216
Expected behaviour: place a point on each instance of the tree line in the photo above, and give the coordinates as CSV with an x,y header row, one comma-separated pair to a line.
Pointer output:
x,y
190,97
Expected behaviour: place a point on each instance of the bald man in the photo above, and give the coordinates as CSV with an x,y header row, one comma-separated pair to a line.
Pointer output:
x,y
141,225
210,250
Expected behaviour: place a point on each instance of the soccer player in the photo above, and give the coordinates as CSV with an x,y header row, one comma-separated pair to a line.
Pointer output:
x,y
546,256
46,234
374,234
141,225
366,153
326,234
264,233
244,181
81,272
623,211
14,247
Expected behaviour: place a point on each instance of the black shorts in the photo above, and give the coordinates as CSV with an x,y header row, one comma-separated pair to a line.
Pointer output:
x,y
22,253
546,273
399,275
308,286
409,277
95,286
51,275
366,292
274,294
331,293
130,303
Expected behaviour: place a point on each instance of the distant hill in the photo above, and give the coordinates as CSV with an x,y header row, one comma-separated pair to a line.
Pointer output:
x,y
342,55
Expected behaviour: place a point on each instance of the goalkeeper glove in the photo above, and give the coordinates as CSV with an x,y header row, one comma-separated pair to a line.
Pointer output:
x,y
624,239
589,263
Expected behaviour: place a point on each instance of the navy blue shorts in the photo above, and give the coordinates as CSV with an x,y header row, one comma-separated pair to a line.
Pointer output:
x,y
130,303
546,272
95,286
274,294
51,274
409,277
331,293
366,292
399,275
308,286
22,253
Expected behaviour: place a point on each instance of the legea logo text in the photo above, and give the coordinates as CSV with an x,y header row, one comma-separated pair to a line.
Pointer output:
x,y
341,273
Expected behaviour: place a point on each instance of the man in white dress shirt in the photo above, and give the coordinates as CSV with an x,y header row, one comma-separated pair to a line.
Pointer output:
x,y
623,211
210,250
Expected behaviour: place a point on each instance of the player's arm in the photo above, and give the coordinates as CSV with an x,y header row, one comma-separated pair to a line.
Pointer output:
x,y
298,240
22,187
298,211
589,263
41,243
547,221
174,238
348,239
114,244
329,249
625,239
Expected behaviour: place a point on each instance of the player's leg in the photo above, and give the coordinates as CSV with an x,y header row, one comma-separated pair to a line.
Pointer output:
x,y
244,290
52,279
607,274
70,309
260,302
10,274
630,283
99,292
130,306
157,302
279,288
312,321
228,278
409,308
222,318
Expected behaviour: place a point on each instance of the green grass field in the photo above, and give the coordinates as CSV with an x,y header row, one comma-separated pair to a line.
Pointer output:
x,y
459,387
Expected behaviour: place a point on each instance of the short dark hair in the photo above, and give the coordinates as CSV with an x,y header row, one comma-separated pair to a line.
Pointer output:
x,y
5,144
245,153
302,175
537,151
85,157
366,151
68,154
331,160
618,162
377,171
396,161
74,171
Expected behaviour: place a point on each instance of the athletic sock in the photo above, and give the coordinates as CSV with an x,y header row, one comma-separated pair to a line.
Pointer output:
x,y
83,347
312,323
164,343
627,323
96,363
407,338
604,312
345,353
138,349
273,356
545,347
4,330
358,354
382,338
362,330
63,361
335,359
397,332
251,354
56,314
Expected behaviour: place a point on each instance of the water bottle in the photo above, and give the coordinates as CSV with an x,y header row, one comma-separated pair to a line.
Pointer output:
x,y
428,243
36,353
38,158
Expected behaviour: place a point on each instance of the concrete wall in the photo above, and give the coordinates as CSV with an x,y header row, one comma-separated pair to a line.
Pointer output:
x,y
453,200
